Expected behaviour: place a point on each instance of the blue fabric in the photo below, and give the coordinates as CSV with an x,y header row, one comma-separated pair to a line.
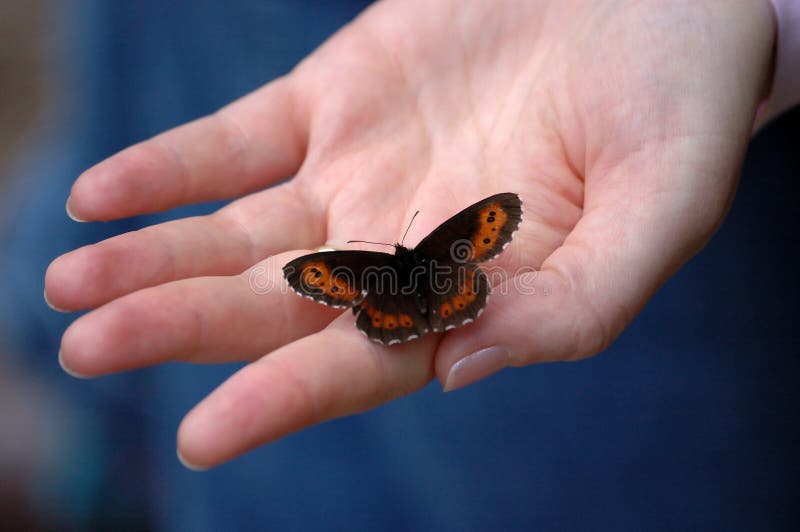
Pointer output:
x,y
687,421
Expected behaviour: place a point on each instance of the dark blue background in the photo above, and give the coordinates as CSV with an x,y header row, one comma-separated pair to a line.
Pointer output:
x,y
687,421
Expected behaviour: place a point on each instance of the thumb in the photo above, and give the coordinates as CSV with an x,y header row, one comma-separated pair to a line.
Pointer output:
x,y
591,287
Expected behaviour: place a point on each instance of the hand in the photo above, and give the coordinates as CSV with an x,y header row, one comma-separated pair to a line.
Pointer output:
x,y
622,126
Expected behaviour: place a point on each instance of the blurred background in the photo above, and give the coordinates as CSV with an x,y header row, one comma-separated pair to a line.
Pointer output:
x,y
688,421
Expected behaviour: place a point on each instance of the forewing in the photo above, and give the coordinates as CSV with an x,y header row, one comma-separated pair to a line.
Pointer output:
x,y
476,234
335,278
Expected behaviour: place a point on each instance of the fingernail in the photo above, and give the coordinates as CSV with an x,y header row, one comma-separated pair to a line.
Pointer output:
x,y
189,465
51,305
68,371
69,212
476,366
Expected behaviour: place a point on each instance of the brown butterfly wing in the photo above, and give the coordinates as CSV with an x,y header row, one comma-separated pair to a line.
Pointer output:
x,y
457,297
390,319
476,234
335,278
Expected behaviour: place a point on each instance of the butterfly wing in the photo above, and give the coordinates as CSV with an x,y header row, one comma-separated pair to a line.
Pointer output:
x,y
390,319
476,234
456,296
335,278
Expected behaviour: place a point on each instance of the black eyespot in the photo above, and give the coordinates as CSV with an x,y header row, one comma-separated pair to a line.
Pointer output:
x,y
317,273
490,219
492,213
494,229
461,305
334,289
486,240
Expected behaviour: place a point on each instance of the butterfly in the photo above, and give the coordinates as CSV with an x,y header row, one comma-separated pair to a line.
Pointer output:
x,y
436,286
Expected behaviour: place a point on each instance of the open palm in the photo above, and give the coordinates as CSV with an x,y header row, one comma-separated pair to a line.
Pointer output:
x,y
621,125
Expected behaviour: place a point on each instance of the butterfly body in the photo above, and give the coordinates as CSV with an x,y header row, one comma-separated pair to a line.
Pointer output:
x,y
436,286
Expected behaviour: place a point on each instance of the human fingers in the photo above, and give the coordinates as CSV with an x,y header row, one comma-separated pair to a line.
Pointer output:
x,y
203,319
243,147
333,373
225,243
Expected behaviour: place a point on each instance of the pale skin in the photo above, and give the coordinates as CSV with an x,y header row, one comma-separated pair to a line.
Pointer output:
x,y
621,124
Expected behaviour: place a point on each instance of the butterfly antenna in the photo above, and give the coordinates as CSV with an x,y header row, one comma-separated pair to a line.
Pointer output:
x,y
368,242
409,227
